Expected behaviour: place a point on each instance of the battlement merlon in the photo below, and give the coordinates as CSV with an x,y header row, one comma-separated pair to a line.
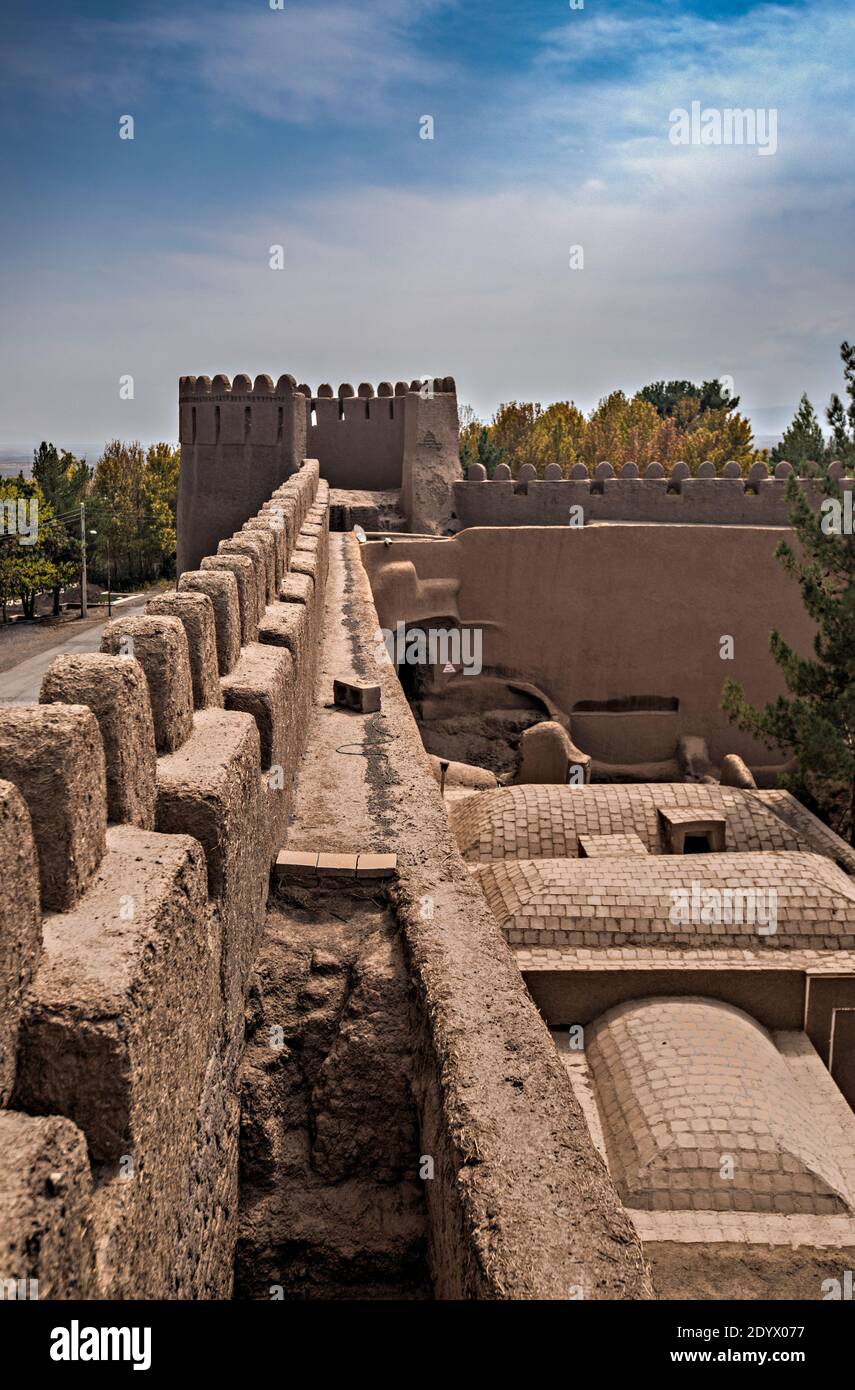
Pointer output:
x,y
192,389
758,498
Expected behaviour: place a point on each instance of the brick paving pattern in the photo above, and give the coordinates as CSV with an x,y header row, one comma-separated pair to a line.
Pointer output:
x,y
616,902
546,821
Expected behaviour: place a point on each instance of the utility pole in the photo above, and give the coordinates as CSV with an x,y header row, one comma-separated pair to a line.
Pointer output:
x,y
83,605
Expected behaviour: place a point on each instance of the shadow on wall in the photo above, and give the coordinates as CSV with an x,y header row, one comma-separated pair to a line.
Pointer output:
x,y
597,617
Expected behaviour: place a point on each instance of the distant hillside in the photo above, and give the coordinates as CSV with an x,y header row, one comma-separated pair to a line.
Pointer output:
x,y
15,460
12,461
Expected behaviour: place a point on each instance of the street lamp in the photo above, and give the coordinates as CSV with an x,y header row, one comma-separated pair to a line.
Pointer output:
x,y
109,593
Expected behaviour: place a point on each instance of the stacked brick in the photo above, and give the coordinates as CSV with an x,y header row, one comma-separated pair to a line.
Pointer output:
x,y
142,803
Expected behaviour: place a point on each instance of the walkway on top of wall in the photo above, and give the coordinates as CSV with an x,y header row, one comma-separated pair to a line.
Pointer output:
x,y
334,807
522,1206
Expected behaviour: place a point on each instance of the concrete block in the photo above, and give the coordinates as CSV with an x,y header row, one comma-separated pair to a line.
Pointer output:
x,y
294,864
336,865
377,866
365,699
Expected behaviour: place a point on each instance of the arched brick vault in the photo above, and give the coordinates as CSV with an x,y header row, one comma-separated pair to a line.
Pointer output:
x,y
691,1089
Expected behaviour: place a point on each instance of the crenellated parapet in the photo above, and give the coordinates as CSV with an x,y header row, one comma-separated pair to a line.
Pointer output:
x,y
728,497
201,387
142,803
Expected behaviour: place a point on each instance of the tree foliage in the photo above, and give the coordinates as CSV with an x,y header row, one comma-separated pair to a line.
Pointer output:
x,y
132,508
816,722
676,397
64,481
692,427
36,564
803,441
842,417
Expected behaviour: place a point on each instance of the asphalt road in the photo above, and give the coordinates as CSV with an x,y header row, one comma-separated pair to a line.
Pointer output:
x,y
21,684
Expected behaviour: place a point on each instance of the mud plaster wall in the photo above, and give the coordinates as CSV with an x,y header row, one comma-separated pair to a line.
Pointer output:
x,y
701,501
521,1205
331,1203
239,440
604,612
122,1030
735,1270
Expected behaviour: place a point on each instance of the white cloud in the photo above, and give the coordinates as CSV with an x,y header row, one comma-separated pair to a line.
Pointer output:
x,y
698,262
394,284
309,63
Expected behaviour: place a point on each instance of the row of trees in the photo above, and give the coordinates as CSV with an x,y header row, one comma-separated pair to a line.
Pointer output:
x,y
804,442
130,497
667,421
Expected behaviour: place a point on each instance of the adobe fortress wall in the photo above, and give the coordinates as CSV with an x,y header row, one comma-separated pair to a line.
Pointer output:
x,y
726,498
241,439
626,621
141,803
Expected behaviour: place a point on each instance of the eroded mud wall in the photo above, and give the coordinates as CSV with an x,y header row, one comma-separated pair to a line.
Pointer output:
x,y
331,1202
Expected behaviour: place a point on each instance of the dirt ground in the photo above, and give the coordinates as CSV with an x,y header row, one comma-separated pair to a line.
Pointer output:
x,y
19,641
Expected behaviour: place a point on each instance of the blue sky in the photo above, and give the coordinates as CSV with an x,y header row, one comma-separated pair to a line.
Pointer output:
x,y
300,127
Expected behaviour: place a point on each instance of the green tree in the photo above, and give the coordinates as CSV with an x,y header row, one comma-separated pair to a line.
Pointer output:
x,y
469,427
62,478
717,436
133,507
64,481
840,417
667,396
816,722
37,563
557,436
488,453
803,441
511,429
